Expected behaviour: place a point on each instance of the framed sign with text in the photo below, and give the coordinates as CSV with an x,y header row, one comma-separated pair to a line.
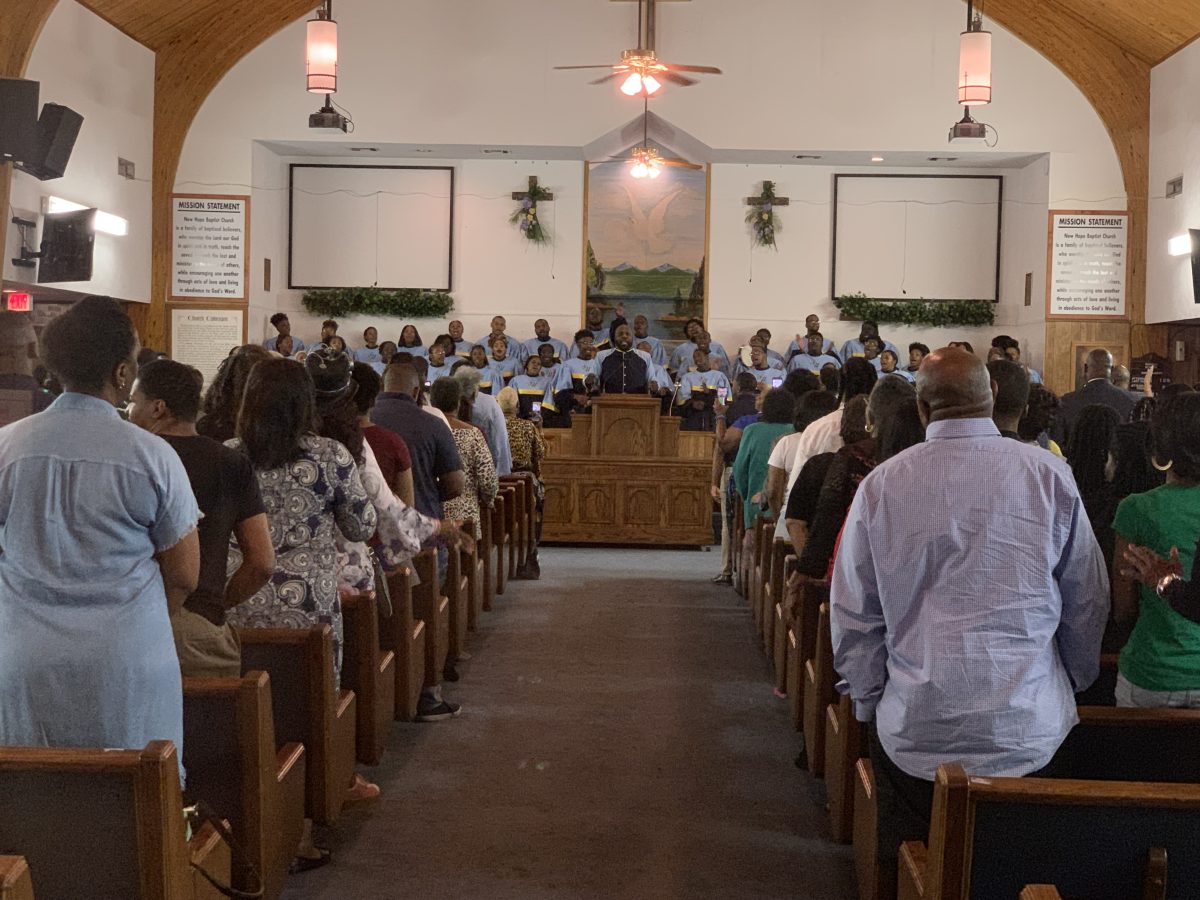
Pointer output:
x,y
1087,267
210,247
202,336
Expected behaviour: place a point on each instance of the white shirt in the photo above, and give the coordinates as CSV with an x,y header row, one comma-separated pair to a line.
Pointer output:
x,y
822,436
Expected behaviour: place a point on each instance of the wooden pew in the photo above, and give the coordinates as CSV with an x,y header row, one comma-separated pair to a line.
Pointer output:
x,y
1040,892
524,512
433,607
500,540
991,836
15,883
486,550
845,745
802,640
458,600
756,572
737,535
308,709
512,503
404,635
370,672
1108,744
234,765
773,636
819,692
105,824
472,566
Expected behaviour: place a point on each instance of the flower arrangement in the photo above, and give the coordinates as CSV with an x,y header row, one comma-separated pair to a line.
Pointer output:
x,y
526,217
761,218
936,313
407,303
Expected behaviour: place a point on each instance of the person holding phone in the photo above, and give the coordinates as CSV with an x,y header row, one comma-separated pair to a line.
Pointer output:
x,y
697,392
531,386
762,370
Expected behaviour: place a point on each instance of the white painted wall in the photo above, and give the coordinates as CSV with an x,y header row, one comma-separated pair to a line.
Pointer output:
x,y
108,78
1174,151
803,75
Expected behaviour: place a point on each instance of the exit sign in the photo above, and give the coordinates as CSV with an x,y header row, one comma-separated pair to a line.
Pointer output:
x,y
19,301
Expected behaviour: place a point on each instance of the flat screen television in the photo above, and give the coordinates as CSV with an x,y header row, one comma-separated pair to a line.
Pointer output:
x,y
68,240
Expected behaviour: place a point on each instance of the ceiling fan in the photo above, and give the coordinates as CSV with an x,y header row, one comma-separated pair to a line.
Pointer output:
x,y
646,161
641,69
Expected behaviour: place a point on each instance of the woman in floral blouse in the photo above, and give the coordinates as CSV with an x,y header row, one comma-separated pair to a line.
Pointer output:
x,y
312,491
480,482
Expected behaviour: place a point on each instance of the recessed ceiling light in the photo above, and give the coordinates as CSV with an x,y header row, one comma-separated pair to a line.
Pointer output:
x,y
876,159
808,156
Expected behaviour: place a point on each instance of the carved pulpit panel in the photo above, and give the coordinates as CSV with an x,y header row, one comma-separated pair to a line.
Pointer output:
x,y
625,425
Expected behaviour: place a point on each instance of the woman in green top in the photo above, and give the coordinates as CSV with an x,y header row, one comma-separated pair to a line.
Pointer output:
x,y
1160,664
750,466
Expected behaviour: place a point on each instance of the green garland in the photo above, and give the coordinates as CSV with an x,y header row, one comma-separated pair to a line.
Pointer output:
x,y
762,220
936,313
405,303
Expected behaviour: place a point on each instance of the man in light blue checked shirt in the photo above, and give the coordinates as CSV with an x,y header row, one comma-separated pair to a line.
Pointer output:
x,y
968,601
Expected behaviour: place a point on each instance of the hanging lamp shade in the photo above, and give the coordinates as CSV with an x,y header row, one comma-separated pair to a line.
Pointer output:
x,y
975,68
322,56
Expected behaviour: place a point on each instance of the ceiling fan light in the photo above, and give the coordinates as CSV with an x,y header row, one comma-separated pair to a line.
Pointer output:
x,y
322,48
652,85
639,170
975,68
653,171
632,85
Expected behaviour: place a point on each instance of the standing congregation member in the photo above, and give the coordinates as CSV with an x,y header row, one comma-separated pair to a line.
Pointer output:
x,y
773,358
391,453
98,527
18,355
480,482
487,416
311,489
166,401
283,327
541,335
223,400
963,631
814,358
624,371
641,335
749,471
916,353
1010,348
596,327
1098,389
1160,663
528,451
369,352
1038,418
576,380
740,411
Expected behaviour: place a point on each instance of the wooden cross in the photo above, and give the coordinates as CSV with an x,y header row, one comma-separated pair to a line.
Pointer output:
x,y
526,195
767,196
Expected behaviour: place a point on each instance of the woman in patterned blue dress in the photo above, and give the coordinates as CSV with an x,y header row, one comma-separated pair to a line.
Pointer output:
x,y
311,490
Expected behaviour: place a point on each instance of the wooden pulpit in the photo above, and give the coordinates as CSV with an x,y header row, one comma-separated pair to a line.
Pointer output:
x,y
625,474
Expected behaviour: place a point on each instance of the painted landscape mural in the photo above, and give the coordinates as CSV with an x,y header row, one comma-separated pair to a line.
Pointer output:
x,y
646,244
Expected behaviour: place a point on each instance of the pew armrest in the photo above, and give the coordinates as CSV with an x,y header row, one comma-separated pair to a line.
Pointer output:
x,y
911,873
15,881
288,827
208,852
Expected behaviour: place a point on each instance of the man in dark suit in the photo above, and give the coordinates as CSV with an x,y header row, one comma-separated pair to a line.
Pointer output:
x,y
1098,390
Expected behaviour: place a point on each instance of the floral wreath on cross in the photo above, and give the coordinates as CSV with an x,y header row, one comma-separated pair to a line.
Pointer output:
x,y
526,216
762,219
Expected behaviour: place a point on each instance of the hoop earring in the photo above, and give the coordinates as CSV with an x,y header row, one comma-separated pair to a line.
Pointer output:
x,y
1161,468
869,429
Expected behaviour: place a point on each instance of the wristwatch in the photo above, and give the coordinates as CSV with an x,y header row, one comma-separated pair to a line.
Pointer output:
x,y
1165,583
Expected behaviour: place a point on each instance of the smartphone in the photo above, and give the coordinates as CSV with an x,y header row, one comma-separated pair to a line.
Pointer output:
x,y
776,382
536,408
721,393
428,384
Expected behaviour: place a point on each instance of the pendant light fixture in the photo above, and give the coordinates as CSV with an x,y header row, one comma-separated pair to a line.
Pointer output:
x,y
322,51
974,61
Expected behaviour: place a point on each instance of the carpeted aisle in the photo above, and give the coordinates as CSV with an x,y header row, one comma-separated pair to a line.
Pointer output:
x,y
619,739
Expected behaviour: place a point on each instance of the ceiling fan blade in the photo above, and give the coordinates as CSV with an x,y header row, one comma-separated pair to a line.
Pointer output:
x,y
608,66
682,80
608,77
680,163
704,70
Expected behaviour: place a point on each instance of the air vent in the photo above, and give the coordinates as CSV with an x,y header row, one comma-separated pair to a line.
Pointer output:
x,y
364,149
942,158
808,156
126,168
1175,187
491,150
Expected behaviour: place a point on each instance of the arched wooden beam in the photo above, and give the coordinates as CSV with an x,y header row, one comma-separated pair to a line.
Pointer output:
x,y
20,27
187,68
1116,81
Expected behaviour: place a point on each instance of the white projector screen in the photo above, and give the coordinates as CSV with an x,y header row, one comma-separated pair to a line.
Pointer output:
x,y
903,237
355,226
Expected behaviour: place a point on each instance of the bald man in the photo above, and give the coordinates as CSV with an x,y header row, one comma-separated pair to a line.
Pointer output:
x,y
22,394
968,601
1098,370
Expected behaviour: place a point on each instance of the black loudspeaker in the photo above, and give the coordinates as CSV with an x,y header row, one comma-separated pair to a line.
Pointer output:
x,y
57,130
18,119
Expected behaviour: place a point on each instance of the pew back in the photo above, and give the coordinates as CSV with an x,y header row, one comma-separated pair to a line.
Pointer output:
x,y
371,673
15,882
101,824
1121,744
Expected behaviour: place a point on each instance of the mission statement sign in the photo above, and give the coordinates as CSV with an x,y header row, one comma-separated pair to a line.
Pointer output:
x,y
210,247
1087,265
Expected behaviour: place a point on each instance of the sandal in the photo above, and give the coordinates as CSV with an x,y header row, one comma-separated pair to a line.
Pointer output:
x,y
307,864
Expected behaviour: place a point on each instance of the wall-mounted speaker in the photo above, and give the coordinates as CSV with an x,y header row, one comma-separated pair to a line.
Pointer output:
x,y
57,129
18,119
